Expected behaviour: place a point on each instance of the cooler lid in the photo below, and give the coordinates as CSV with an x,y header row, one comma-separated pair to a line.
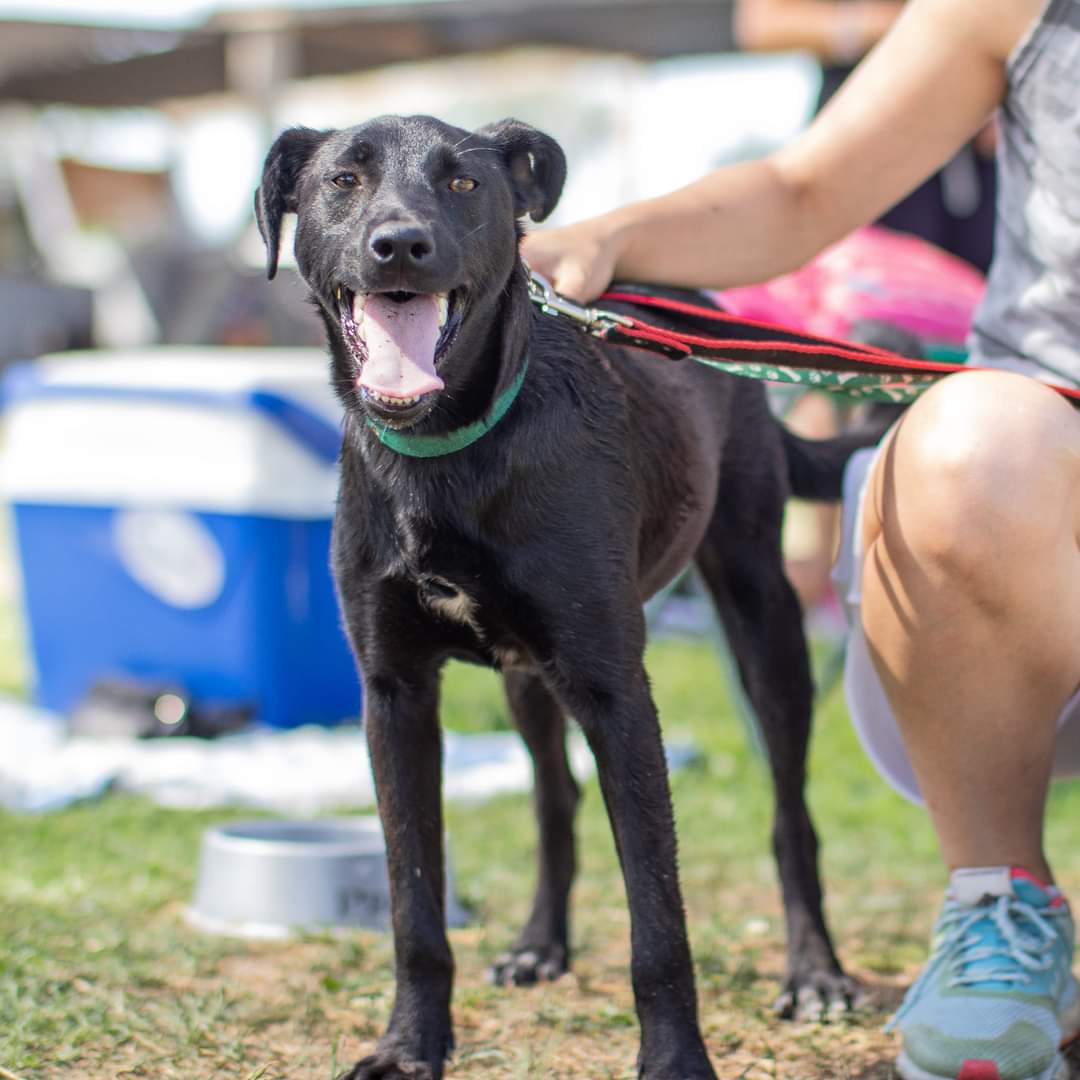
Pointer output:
x,y
239,430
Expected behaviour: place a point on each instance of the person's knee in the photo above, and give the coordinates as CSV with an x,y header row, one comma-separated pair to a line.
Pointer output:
x,y
975,473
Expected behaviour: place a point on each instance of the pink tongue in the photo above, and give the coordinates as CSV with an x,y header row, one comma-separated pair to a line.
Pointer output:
x,y
400,346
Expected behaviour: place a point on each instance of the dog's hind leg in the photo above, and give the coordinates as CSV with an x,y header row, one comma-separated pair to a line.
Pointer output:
x,y
740,561
404,743
542,949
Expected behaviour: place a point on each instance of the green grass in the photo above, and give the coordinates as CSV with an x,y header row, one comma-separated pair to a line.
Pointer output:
x,y
101,977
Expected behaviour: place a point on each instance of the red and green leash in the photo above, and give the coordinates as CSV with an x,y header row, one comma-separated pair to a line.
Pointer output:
x,y
756,350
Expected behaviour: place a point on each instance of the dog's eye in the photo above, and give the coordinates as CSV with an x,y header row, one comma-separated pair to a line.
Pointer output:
x,y
345,180
461,184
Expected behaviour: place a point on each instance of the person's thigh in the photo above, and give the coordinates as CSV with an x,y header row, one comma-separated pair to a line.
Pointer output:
x,y
983,467
977,454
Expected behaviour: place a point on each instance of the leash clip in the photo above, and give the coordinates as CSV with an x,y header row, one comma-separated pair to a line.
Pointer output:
x,y
593,321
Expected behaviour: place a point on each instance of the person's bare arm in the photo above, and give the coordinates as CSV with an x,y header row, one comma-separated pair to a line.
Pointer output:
x,y
835,31
924,91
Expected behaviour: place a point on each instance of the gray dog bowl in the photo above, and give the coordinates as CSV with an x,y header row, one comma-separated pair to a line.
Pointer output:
x,y
271,877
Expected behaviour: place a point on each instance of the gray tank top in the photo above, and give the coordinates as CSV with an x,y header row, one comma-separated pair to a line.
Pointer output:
x,y
1029,319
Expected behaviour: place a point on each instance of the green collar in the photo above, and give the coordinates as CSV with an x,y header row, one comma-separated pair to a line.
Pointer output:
x,y
431,446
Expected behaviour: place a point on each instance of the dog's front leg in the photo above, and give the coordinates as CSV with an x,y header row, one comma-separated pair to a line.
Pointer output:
x,y
613,705
401,723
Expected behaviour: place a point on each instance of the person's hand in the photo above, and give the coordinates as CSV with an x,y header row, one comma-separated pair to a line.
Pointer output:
x,y
579,260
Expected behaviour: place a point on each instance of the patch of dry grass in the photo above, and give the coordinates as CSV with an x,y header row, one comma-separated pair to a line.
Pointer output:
x,y
100,976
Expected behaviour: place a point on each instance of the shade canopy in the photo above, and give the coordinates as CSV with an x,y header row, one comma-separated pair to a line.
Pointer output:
x,y
189,49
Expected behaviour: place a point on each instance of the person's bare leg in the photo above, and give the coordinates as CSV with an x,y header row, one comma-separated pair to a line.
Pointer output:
x,y
971,604
810,528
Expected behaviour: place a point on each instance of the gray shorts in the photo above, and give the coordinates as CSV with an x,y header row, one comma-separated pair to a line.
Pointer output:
x,y
869,708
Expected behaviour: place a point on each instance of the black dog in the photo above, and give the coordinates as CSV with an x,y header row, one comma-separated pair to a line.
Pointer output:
x,y
511,492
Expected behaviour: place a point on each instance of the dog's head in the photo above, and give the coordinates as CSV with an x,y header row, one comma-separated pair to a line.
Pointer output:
x,y
406,228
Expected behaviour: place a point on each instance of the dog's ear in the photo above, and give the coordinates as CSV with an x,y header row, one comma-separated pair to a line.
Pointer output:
x,y
276,195
535,162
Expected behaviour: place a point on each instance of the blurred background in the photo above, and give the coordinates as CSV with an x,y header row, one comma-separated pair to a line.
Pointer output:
x,y
132,134
166,534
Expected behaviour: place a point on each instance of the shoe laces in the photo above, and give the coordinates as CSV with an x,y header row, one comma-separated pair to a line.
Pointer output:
x,y
1021,947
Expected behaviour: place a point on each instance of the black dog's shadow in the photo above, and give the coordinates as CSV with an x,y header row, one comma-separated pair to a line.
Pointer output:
x,y
882,1070
879,1001
881,998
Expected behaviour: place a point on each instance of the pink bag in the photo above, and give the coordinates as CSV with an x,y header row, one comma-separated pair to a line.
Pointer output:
x,y
874,273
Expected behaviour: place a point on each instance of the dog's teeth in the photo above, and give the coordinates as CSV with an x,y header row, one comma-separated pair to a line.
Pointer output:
x,y
387,400
358,304
444,305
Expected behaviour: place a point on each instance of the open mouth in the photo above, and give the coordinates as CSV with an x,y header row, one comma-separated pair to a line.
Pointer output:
x,y
397,341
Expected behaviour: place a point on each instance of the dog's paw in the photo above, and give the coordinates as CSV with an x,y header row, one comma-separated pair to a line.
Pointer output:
x,y
667,1073
820,995
523,967
390,1065
692,1063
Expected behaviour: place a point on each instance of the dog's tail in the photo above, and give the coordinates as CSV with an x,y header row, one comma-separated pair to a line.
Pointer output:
x,y
816,466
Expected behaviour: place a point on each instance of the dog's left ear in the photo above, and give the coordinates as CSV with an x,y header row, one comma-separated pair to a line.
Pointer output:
x,y
276,195
535,162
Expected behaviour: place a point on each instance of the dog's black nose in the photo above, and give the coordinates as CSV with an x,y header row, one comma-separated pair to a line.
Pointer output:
x,y
401,243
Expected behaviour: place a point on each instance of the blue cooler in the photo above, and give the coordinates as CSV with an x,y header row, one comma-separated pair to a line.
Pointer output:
x,y
172,513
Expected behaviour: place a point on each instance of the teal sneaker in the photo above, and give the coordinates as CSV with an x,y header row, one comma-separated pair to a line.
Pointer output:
x,y
997,998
